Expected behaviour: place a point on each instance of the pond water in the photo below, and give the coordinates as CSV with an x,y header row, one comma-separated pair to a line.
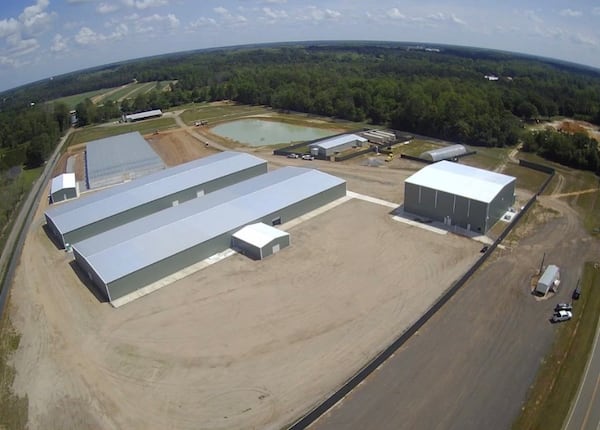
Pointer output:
x,y
257,132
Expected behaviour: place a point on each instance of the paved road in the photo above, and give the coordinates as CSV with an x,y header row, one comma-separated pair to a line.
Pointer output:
x,y
585,412
471,365
8,259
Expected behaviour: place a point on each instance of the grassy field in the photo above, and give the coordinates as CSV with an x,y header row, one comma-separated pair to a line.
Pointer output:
x,y
13,409
417,146
557,381
12,194
74,100
133,90
217,112
87,134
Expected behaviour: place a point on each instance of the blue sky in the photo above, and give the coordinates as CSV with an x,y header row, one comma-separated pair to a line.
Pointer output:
x,y
42,38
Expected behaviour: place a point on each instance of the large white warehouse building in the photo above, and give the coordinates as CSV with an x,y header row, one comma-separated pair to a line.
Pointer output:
x,y
456,194
120,158
123,260
79,219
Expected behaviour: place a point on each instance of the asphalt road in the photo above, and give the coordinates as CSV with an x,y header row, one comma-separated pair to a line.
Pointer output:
x,y
471,365
585,412
8,258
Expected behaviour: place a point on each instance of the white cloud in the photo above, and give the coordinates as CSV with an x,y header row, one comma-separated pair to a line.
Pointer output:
x,y
596,11
105,8
87,36
532,16
395,13
316,14
35,18
8,27
229,18
581,39
274,15
144,4
202,22
570,13
20,46
59,43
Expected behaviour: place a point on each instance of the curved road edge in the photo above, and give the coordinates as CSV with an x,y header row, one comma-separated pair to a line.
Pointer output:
x,y
584,413
14,244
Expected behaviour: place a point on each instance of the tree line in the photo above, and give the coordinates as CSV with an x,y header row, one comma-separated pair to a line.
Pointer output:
x,y
443,94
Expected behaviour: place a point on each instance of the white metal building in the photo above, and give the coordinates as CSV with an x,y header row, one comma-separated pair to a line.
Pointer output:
x,y
460,195
120,158
259,240
444,153
143,115
548,280
77,220
327,147
63,187
122,260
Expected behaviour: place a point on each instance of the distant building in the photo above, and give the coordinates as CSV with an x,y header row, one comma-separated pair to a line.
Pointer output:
x,y
120,158
143,115
444,153
455,194
63,187
330,146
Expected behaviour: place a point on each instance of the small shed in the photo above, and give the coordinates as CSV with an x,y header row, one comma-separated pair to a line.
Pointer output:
x,y
63,187
548,281
259,240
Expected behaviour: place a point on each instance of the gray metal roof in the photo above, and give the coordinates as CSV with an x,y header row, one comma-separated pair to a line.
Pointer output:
x,y
120,156
466,181
142,115
335,141
550,274
133,246
444,153
61,182
121,198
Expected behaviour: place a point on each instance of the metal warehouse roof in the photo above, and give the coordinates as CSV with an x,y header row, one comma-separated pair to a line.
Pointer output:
x,y
61,182
109,202
120,154
550,274
142,115
337,141
259,234
444,153
133,246
466,181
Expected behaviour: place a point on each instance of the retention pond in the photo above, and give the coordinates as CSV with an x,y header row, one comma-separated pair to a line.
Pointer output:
x,y
257,132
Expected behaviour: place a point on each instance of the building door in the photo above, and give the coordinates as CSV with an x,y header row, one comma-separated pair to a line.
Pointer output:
x,y
276,248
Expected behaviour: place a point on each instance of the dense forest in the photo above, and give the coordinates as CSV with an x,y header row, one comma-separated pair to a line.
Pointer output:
x,y
472,96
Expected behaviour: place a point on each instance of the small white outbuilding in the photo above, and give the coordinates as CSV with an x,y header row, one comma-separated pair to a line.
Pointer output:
x,y
259,240
63,187
548,281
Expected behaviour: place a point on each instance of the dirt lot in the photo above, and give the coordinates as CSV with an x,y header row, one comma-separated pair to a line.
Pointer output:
x,y
471,365
176,147
241,344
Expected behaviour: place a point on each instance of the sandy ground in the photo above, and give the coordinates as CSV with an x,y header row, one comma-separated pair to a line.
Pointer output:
x,y
177,147
241,344
471,365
